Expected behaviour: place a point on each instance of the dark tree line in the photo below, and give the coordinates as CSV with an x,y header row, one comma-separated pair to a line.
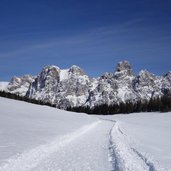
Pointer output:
x,y
24,98
162,104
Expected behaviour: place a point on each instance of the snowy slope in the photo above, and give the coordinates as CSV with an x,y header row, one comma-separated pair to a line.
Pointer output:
x,y
41,138
142,141
24,125
34,137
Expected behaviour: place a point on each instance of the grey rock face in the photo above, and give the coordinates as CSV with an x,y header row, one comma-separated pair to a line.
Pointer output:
x,y
147,85
75,70
20,85
114,88
166,84
123,69
63,88
72,87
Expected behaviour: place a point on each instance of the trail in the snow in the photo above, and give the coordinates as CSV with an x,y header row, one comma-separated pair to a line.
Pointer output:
x,y
124,156
99,146
29,160
88,153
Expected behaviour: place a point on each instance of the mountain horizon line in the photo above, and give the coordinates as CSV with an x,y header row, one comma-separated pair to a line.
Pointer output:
x,y
76,66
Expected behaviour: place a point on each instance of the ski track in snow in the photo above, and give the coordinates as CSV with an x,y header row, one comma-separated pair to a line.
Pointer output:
x,y
29,160
124,157
88,153
99,146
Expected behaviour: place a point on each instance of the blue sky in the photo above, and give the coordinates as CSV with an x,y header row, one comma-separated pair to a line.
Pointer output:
x,y
93,34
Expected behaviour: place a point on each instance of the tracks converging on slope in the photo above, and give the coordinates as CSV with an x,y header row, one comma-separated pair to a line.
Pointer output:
x,y
99,146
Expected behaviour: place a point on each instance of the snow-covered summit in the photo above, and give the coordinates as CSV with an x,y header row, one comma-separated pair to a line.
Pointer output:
x,y
19,85
63,87
72,87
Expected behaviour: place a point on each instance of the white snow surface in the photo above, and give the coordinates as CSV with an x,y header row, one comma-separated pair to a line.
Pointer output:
x,y
41,138
142,141
64,74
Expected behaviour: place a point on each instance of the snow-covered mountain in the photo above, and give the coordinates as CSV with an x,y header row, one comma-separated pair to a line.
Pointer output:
x,y
19,85
69,87
72,87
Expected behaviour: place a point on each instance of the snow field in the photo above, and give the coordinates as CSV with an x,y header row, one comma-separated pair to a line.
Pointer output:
x,y
30,159
142,141
41,138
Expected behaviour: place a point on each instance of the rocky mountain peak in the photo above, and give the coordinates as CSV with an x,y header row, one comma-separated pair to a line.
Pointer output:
x,y
52,71
63,87
76,70
49,76
123,65
123,69
72,87
15,80
146,75
18,81
20,85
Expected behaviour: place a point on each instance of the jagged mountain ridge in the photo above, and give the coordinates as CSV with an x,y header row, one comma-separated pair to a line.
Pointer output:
x,y
72,87
20,85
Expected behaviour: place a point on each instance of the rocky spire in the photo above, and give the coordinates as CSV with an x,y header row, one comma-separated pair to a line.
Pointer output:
x,y
123,69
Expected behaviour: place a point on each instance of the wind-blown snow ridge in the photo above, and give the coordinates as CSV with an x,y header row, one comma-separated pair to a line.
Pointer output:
x,y
30,159
125,157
